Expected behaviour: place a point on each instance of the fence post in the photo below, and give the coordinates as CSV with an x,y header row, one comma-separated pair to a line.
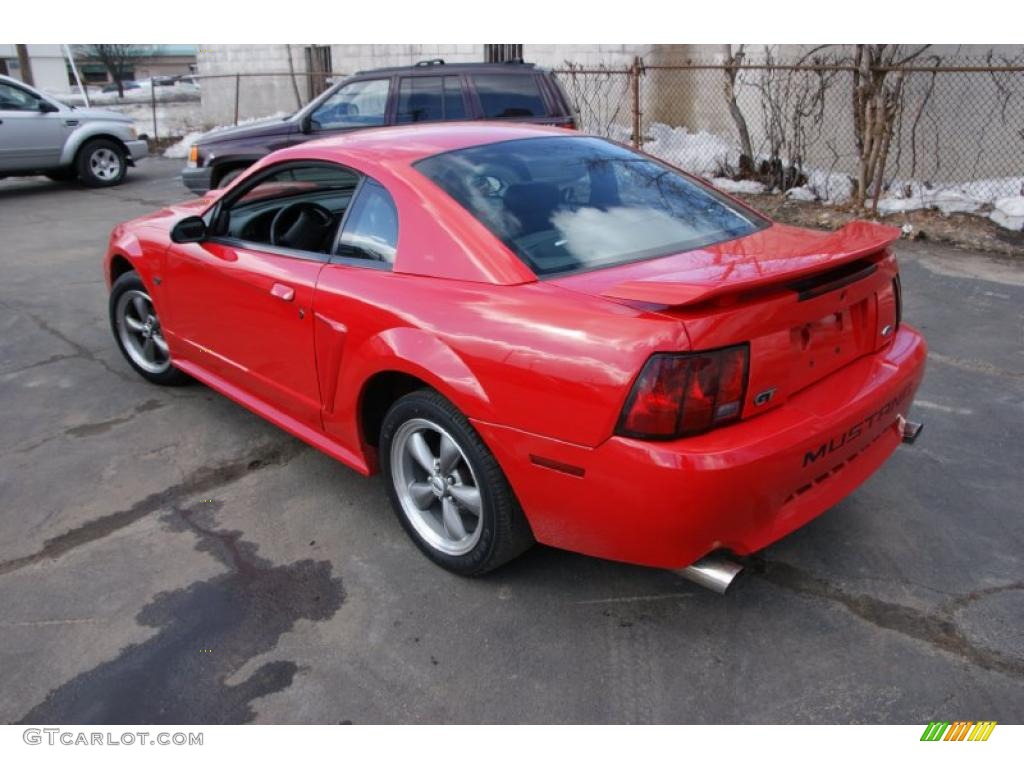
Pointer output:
x,y
634,80
238,80
152,103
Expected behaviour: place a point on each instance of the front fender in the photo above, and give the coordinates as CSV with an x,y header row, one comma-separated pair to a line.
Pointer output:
x,y
91,129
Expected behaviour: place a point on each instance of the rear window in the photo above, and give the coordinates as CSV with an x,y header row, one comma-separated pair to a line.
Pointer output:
x,y
509,95
568,204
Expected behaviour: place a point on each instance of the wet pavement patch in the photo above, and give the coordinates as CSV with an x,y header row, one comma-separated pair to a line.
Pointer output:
x,y
206,632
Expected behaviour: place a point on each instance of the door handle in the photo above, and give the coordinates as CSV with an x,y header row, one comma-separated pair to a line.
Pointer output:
x,y
282,292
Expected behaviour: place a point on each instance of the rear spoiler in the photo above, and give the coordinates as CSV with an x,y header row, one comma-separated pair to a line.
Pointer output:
x,y
854,241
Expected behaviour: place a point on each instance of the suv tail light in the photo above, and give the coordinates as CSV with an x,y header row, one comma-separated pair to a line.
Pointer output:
x,y
682,394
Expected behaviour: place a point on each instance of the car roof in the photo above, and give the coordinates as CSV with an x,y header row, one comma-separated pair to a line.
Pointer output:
x,y
409,143
436,66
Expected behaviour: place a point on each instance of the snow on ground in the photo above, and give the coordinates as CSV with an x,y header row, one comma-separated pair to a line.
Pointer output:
x,y
701,153
966,197
180,149
742,186
180,91
1009,213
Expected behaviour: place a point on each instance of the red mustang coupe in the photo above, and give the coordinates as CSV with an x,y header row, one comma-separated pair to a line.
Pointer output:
x,y
536,335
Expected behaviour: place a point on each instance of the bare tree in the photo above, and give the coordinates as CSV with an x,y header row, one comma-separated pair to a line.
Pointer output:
x,y
877,95
793,103
115,58
733,61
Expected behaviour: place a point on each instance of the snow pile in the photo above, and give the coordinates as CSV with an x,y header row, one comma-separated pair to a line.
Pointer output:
x,y
701,153
179,150
826,186
742,186
803,194
1009,213
966,197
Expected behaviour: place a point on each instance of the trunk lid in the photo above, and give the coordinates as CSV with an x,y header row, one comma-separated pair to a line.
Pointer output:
x,y
808,303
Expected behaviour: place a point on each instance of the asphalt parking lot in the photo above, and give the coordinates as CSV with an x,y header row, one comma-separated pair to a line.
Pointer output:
x,y
166,556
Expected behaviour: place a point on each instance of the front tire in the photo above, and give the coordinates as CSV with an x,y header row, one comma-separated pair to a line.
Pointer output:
x,y
138,334
446,487
102,163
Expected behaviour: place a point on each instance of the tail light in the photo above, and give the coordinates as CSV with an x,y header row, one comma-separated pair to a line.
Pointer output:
x,y
682,394
570,123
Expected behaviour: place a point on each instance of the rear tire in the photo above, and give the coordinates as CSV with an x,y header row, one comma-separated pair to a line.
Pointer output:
x,y
447,489
137,331
101,163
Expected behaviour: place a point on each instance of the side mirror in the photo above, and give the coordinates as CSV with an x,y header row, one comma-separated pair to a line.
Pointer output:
x,y
45,106
306,126
191,229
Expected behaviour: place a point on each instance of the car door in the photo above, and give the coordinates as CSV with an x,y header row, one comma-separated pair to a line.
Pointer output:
x,y
32,131
241,300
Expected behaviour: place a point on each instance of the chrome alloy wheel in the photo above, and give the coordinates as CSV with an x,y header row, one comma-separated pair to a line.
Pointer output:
x,y
138,328
436,487
105,164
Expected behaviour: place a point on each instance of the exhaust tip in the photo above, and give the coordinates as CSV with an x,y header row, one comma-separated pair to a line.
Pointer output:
x,y
713,572
909,430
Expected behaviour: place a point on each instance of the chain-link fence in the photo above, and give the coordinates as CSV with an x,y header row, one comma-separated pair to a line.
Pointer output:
x,y
945,135
949,136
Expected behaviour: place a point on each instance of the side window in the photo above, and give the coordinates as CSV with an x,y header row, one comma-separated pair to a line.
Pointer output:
x,y
371,229
423,99
17,100
298,207
509,95
355,105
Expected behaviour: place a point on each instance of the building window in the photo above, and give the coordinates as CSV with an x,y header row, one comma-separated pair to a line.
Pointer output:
x,y
496,54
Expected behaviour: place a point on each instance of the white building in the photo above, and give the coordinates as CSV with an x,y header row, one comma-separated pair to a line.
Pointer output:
x,y
49,67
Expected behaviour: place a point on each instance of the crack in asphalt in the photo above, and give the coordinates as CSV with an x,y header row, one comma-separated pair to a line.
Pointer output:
x,y
202,480
937,629
974,366
206,632
81,351
99,427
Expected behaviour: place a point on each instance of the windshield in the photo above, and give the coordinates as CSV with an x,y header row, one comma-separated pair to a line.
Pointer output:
x,y
568,204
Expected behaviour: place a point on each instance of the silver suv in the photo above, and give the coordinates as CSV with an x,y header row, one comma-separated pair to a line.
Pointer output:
x,y
39,134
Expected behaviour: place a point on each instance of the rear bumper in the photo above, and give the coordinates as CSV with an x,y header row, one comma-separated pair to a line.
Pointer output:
x,y
739,488
197,179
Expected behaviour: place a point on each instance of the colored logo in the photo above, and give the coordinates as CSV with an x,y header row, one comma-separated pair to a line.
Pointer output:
x,y
961,730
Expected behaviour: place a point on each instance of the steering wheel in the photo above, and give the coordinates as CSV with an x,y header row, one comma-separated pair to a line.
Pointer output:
x,y
291,225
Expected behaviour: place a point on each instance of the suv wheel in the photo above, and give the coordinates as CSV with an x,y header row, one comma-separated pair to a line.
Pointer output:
x,y
447,488
101,163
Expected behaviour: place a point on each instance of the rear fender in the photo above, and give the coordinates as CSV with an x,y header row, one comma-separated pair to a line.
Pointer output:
x,y
411,351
